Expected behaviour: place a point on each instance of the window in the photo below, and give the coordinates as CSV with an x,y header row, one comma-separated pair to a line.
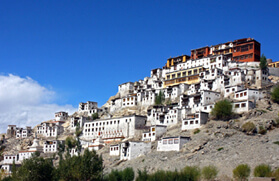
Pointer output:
x,y
245,93
170,141
186,123
236,105
243,105
191,122
165,142
176,141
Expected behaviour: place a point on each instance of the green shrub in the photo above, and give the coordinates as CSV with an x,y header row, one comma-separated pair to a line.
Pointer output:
x,y
196,131
276,142
209,172
275,174
241,172
222,110
142,175
262,130
95,116
190,173
128,174
248,127
275,94
219,149
160,98
262,170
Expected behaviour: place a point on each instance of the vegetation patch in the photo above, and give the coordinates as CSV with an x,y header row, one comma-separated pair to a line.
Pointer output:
x,y
197,130
219,149
222,110
241,172
249,127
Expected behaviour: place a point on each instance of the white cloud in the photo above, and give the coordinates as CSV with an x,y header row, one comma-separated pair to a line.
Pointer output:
x,y
25,102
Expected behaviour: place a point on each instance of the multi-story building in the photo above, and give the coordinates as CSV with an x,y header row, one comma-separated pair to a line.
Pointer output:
x,y
123,127
50,129
23,133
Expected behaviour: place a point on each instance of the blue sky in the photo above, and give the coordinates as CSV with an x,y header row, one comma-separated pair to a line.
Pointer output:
x,y
82,50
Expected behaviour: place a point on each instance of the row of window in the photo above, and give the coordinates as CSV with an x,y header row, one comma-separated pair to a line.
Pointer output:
x,y
171,141
191,122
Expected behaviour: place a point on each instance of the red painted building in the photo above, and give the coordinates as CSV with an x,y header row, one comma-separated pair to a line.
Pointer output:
x,y
246,50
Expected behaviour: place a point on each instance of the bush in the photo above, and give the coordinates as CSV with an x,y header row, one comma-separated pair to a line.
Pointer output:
x,y
219,149
222,110
275,94
160,98
262,170
275,174
209,172
262,130
190,173
196,131
248,127
125,175
95,116
241,172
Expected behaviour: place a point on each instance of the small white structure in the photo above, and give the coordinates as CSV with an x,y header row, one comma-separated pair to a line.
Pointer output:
x,y
248,94
243,106
97,144
172,143
23,133
133,149
35,147
61,116
154,132
50,129
193,121
51,146
9,159
73,152
114,150
77,120
89,107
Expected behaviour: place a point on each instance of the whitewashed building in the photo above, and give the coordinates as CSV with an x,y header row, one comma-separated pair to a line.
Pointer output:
x,y
242,106
124,127
97,144
172,143
51,146
133,149
248,94
61,116
89,107
114,150
6,164
23,133
193,121
26,154
50,129
154,132
77,120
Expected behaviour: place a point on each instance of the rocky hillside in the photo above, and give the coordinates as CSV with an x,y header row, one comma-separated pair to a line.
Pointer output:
x,y
220,143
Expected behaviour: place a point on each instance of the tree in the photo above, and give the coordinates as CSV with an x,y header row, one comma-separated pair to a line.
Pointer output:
x,y
35,168
263,62
160,98
241,172
191,173
275,94
88,166
262,170
209,172
222,109
128,174
95,116
142,175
